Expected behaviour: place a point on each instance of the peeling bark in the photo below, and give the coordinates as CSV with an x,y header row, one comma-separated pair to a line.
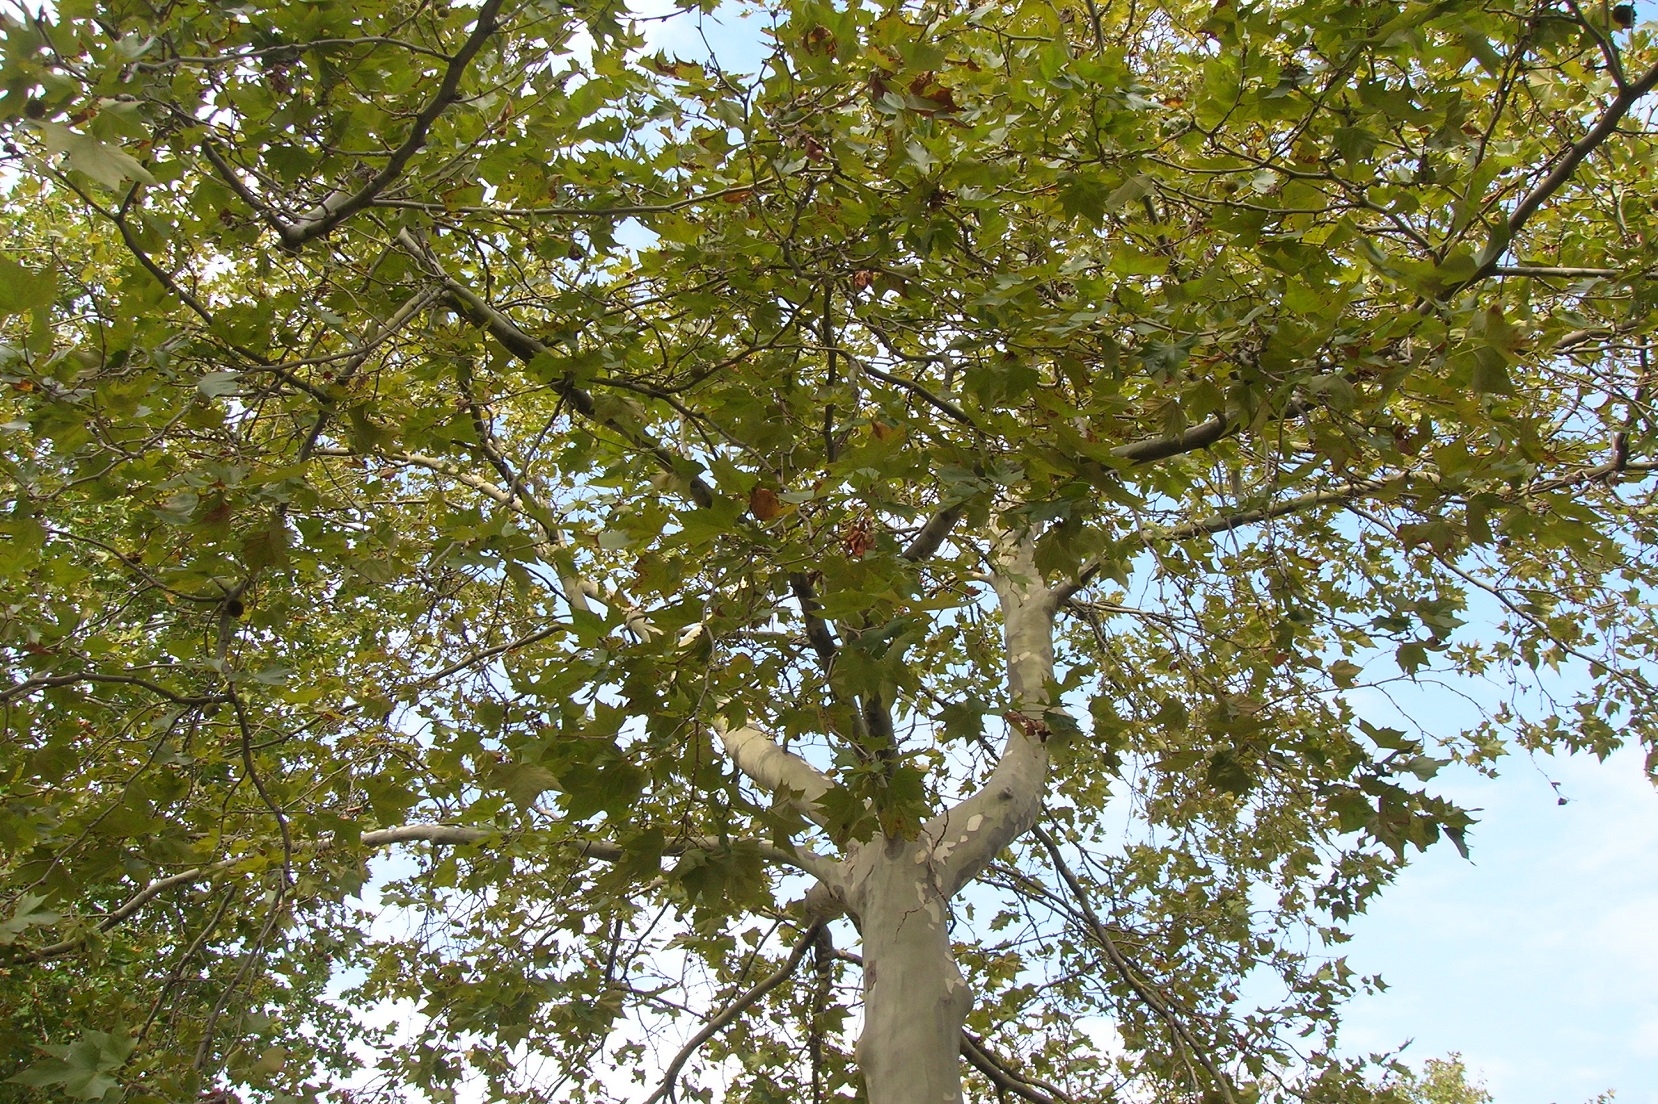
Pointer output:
x,y
970,834
899,890
915,999
774,770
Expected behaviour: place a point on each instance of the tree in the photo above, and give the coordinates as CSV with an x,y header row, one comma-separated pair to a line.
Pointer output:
x,y
1442,1081
898,544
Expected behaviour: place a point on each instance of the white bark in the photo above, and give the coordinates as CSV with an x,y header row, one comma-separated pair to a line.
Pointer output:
x,y
971,833
915,999
899,890
774,770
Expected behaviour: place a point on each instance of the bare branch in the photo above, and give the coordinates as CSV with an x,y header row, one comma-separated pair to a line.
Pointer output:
x,y
774,770
1161,448
969,834
426,833
1000,1074
933,534
730,1012
29,686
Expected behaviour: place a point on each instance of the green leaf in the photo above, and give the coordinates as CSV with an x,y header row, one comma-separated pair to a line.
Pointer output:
x,y
1135,187
82,1070
25,289
523,782
218,384
26,915
1083,196
108,164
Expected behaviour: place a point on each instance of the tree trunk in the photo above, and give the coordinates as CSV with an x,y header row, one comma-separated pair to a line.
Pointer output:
x,y
915,999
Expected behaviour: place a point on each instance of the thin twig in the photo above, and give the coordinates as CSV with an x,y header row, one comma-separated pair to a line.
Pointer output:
x,y
803,942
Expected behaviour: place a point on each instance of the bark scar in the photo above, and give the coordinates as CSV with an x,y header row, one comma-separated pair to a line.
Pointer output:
x,y
1030,726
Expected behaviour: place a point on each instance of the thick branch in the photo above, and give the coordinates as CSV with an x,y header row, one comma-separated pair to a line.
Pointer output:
x,y
971,833
1161,448
774,770
933,534
426,833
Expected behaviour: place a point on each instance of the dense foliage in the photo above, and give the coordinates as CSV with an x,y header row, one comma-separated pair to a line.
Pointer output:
x,y
431,432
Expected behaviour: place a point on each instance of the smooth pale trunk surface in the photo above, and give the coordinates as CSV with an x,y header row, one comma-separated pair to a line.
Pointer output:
x,y
915,999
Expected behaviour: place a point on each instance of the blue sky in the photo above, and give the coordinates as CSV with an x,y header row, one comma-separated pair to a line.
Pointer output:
x,y
1538,959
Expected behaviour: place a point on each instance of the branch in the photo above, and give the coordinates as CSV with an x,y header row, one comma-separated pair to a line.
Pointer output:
x,y
817,629
1558,176
933,534
1556,271
576,590
1161,448
490,653
969,834
121,912
730,1012
632,210
1221,523
802,859
29,686
526,348
1001,1075
1125,969
425,833
774,770
1357,489
338,206
942,405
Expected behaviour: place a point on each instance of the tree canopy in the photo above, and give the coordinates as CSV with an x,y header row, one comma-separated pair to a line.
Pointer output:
x,y
945,502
